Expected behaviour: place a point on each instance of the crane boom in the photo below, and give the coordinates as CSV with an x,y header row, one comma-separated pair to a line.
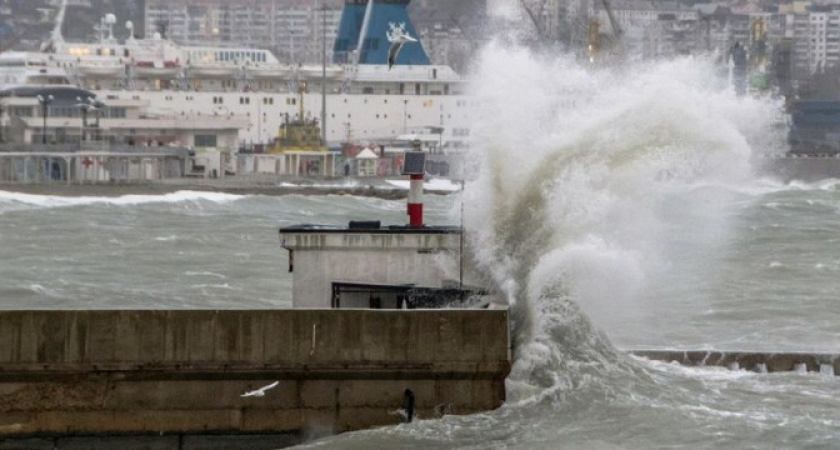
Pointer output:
x,y
613,23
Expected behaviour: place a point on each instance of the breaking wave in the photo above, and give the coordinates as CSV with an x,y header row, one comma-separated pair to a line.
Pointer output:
x,y
54,201
590,178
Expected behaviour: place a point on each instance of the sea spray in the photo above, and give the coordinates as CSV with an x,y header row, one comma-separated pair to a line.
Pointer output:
x,y
588,178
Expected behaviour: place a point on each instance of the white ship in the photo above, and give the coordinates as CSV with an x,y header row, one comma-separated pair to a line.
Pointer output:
x,y
365,100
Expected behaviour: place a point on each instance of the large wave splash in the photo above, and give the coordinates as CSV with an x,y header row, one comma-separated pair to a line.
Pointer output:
x,y
588,176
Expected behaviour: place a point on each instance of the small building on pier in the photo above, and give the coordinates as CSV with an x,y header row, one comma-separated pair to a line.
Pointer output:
x,y
366,265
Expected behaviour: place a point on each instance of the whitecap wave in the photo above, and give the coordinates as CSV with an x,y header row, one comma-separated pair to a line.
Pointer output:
x,y
57,201
429,185
589,182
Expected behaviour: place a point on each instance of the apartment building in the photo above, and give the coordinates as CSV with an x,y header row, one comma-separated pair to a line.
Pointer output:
x,y
292,29
652,28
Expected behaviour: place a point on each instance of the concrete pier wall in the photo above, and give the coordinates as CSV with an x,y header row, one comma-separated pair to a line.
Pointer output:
x,y
800,167
147,374
772,362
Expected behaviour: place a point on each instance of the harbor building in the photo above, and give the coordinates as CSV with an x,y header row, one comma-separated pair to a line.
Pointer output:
x,y
66,134
292,29
651,30
67,115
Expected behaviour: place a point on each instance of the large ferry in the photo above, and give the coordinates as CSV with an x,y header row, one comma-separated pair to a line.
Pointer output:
x,y
365,98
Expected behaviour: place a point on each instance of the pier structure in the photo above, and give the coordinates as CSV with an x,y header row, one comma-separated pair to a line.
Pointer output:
x,y
367,344
173,380
761,362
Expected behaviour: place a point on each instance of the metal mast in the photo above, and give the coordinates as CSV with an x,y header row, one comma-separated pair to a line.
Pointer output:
x,y
324,73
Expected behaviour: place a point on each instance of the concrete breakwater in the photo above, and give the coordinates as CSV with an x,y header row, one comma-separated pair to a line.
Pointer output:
x,y
768,362
174,379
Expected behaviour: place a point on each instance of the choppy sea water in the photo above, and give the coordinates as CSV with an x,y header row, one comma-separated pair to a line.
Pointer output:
x,y
772,286
181,250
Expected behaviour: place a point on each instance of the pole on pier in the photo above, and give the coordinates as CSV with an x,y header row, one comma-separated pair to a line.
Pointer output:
x,y
324,73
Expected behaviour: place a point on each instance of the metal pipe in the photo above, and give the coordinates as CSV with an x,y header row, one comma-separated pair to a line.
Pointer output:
x,y
324,74
45,103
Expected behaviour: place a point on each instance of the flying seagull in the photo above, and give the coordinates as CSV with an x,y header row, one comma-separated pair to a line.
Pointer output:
x,y
397,44
261,391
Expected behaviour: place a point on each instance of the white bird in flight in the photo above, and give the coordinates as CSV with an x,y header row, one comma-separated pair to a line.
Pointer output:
x,y
396,45
261,391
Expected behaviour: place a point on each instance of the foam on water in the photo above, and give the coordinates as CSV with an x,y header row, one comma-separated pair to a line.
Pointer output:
x,y
429,185
577,206
54,201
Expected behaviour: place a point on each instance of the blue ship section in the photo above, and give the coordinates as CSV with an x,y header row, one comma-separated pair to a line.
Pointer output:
x,y
375,47
349,28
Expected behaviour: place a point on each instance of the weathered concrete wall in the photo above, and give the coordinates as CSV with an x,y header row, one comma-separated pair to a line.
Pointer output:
x,y
772,362
366,257
82,372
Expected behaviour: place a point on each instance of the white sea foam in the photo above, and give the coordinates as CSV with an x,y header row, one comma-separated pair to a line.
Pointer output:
x,y
429,185
204,273
46,292
588,178
347,184
54,201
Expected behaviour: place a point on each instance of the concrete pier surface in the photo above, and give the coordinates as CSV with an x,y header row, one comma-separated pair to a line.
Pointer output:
x,y
745,360
168,379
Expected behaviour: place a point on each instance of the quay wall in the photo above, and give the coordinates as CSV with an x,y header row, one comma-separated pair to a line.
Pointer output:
x,y
802,168
826,363
169,378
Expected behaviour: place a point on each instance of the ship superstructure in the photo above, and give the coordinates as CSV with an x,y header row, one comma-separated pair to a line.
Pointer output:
x,y
364,99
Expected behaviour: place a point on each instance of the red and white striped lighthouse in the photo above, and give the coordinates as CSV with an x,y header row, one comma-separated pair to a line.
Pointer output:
x,y
415,167
415,201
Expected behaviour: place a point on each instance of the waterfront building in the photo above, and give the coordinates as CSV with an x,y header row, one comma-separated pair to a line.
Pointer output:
x,y
71,118
292,29
652,29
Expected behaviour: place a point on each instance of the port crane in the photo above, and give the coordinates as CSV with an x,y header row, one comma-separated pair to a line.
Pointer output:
x,y
594,38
